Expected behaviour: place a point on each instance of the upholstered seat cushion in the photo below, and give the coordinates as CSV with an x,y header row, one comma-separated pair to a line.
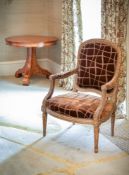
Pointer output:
x,y
78,105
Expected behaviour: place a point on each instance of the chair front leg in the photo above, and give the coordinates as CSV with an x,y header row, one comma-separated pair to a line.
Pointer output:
x,y
44,120
96,138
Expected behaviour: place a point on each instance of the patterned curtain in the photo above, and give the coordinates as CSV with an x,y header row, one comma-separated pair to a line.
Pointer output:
x,y
114,27
71,38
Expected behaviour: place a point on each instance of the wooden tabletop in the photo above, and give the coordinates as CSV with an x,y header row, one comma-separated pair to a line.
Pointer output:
x,y
31,41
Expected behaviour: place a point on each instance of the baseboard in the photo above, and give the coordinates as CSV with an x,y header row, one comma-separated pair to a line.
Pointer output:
x,y
10,67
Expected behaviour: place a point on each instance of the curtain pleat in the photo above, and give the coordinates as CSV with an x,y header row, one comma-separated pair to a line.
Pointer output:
x,y
114,27
71,38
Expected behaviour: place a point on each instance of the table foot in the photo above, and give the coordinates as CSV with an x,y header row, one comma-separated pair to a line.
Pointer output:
x,y
25,81
25,73
18,73
40,71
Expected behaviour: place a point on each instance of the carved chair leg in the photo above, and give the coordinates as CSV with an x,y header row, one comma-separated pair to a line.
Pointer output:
x,y
96,138
44,118
112,123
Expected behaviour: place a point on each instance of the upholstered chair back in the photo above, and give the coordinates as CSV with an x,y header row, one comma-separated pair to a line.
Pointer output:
x,y
97,61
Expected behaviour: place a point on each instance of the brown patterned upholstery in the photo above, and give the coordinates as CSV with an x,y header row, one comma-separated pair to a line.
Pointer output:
x,y
78,105
96,65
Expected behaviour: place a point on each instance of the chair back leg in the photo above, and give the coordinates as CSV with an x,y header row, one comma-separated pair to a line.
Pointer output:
x,y
112,123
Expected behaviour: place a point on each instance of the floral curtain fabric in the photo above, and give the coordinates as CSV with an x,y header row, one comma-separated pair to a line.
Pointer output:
x,y
71,38
114,27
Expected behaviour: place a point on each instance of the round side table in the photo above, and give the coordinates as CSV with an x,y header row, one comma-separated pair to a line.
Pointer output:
x,y
31,42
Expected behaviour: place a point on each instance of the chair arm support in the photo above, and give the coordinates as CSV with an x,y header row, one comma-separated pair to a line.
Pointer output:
x,y
101,106
52,83
55,77
109,85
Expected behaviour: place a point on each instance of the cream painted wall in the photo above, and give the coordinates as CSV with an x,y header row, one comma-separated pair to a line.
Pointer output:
x,y
54,27
19,17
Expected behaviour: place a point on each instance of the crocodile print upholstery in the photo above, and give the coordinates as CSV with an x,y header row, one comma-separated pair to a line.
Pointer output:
x,y
97,62
78,105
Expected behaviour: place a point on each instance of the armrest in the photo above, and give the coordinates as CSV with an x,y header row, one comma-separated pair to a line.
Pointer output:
x,y
52,83
109,85
108,90
63,75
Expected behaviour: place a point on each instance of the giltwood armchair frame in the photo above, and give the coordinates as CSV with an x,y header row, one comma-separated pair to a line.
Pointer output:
x,y
108,90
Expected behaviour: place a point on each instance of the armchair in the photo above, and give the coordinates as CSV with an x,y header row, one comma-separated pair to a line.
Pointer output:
x,y
97,71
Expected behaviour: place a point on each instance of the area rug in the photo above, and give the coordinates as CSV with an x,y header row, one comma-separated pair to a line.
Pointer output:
x,y
69,152
121,136
20,107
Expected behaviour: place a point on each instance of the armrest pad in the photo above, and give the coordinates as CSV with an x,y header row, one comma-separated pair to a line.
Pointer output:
x,y
109,85
62,75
